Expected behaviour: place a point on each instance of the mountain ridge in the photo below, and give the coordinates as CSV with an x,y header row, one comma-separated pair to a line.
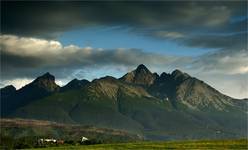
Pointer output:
x,y
162,106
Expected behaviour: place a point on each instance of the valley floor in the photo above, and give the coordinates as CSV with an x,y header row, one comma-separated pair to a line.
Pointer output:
x,y
199,145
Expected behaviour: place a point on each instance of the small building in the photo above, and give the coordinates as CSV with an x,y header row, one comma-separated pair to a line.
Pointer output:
x,y
50,140
42,141
83,139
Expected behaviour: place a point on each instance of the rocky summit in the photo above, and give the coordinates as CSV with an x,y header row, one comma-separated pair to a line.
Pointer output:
x,y
46,82
166,106
141,76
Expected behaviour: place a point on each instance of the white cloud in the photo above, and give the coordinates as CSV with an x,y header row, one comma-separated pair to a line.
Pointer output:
x,y
223,62
18,82
21,82
61,82
28,46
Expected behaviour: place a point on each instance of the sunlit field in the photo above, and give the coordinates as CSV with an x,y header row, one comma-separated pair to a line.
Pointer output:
x,y
203,144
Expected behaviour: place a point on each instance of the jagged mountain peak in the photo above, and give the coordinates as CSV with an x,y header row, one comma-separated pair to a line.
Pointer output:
x,y
142,67
164,74
45,81
177,72
141,75
179,75
46,76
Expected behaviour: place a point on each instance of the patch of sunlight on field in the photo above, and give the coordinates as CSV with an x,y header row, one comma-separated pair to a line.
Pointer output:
x,y
196,145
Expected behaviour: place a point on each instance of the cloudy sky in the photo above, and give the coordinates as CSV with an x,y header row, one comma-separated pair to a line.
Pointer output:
x,y
92,39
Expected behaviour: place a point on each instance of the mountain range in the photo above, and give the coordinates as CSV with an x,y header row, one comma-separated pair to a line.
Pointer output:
x,y
166,106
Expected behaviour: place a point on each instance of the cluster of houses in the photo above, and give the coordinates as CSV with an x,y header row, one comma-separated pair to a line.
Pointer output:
x,y
57,141
48,141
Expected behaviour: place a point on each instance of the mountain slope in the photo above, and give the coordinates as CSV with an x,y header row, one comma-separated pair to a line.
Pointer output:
x,y
95,104
41,87
169,106
181,88
120,108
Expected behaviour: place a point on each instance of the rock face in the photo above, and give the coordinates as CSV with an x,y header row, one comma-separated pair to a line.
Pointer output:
x,y
45,82
164,87
179,76
141,76
167,106
198,95
181,88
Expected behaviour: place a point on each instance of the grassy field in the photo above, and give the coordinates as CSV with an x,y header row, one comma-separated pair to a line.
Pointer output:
x,y
204,144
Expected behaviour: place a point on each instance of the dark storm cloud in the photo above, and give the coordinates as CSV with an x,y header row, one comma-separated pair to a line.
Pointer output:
x,y
48,19
236,41
10,61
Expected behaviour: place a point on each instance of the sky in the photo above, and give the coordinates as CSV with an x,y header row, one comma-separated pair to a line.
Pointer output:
x,y
88,40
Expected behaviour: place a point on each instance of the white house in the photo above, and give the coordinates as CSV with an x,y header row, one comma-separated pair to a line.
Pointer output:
x,y
47,140
84,139
50,140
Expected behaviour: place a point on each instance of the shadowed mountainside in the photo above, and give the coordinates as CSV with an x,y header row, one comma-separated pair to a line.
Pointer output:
x,y
166,106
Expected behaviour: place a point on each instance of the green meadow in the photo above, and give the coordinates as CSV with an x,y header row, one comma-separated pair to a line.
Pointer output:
x,y
196,145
